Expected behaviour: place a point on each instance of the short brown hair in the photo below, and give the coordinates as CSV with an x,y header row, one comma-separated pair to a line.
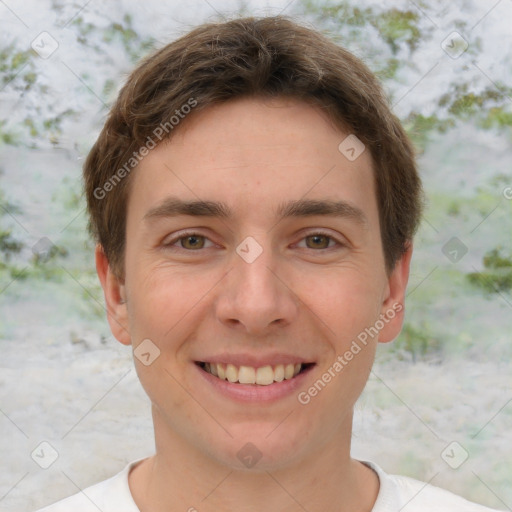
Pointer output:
x,y
269,57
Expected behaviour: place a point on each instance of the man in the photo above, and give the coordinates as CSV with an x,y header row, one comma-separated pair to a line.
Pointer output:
x,y
254,201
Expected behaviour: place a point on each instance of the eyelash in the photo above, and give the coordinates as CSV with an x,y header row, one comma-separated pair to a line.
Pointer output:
x,y
169,245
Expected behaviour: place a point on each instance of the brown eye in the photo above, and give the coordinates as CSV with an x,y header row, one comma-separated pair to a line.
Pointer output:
x,y
192,242
318,241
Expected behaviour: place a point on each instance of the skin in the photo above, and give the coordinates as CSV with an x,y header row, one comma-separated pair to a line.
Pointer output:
x,y
302,295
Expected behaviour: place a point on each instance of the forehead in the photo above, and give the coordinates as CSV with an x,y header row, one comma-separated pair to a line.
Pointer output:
x,y
249,152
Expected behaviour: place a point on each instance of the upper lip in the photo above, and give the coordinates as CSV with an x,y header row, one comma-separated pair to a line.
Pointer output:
x,y
256,361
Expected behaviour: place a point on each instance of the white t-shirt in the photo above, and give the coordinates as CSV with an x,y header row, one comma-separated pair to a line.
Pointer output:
x,y
397,493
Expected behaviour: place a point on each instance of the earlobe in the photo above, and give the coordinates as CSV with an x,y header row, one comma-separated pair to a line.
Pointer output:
x,y
115,297
393,306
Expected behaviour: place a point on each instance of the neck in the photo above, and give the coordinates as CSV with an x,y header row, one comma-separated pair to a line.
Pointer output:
x,y
181,478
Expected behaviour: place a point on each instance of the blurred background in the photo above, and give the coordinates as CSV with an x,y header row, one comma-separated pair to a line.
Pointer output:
x,y
438,405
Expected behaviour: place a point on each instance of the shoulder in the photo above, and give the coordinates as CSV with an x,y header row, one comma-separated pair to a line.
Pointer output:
x,y
108,496
410,495
419,496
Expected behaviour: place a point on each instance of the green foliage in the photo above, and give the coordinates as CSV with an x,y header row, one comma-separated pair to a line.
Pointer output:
x,y
13,62
20,71
54,273
497,276
417,341
453,209
109,87
12,272
397,26
342,12
489,108
497,117
41,265
390,70
5,136
84,29
134,46
401,32
419,127
54,252
9,245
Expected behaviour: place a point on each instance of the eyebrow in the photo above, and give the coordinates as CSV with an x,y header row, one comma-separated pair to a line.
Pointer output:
x,y
173,207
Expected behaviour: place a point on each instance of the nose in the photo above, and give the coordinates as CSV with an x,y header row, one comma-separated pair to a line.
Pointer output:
x,y
255,296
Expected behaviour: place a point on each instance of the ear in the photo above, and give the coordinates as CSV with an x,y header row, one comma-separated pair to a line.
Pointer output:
x,y
393,305
115,297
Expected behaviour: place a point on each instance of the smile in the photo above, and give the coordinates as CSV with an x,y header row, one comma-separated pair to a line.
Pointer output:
x,y
261,376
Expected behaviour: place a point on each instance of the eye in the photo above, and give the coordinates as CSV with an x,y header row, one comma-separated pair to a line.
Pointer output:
x,y
190,241
193,241
320,240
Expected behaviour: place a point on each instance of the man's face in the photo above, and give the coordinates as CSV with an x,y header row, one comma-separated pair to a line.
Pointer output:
x,y
262,286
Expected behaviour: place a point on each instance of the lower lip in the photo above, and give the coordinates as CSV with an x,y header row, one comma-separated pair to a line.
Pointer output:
x,y
254,392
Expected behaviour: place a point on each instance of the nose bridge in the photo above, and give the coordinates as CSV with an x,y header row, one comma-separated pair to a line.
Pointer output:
x,y
255,279
255,295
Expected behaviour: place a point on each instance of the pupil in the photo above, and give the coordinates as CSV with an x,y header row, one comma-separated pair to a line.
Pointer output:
x,y
192,241
317,239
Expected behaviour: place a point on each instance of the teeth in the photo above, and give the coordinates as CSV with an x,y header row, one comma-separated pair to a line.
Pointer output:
x,y
289,370
279,373
263,376
246,375
231,373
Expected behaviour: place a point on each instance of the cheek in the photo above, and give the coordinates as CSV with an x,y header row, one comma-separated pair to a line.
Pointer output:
x,y
345,300
350,306
161,298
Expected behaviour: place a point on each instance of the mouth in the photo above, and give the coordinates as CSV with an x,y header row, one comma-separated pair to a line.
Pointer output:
x,y
251,376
